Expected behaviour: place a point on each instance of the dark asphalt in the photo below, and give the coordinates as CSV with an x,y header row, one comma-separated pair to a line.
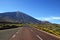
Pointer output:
x,y
29,33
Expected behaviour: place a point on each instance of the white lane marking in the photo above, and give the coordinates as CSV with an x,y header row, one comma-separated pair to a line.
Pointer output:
x,y
32,30
16,32
39,37
37,29
46,32
13,36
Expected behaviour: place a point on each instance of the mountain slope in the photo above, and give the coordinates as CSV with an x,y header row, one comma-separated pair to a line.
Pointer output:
x,y
17,17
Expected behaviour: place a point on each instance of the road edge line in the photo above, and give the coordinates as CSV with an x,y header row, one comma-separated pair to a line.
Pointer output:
x,y
48,33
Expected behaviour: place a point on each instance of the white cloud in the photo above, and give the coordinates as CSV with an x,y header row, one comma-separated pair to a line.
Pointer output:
x,y
46,18
58,18
52,19
49,18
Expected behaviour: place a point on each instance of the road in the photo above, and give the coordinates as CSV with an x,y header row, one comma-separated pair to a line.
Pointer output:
x,y
6,34
29,33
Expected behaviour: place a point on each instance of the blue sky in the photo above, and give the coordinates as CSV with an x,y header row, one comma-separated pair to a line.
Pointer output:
x,y
48,10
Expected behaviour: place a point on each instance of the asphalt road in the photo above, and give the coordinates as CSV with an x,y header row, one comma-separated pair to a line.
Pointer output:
x,y
29,33
6,34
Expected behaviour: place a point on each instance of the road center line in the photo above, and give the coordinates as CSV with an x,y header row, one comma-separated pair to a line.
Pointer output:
x,y
39,37
13,36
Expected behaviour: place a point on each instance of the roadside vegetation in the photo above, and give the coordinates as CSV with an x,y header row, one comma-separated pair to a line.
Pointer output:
x,y
8,26
50,28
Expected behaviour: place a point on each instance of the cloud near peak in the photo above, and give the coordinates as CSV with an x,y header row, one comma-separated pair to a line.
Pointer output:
x,y
49,18
58,18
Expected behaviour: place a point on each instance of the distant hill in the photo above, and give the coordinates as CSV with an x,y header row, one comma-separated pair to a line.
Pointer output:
x,y
17,17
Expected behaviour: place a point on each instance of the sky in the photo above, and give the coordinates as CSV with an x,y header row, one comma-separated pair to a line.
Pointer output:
x,y
45,10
